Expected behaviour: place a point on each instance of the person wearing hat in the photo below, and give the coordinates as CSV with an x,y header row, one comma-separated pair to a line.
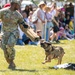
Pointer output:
x,y
11,18
39,17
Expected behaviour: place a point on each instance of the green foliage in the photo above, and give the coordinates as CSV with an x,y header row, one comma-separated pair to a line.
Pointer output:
x,y
29,60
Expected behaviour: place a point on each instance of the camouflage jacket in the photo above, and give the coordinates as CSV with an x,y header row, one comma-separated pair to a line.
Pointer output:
x,y
10,19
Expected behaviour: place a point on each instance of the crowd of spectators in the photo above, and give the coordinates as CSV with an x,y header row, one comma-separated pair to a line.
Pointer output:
x,y
50,22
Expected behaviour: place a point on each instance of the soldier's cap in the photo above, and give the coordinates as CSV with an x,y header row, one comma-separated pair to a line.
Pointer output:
x,y
16,1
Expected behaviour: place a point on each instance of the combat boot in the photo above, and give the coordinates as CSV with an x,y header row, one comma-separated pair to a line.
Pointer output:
x,y
11,65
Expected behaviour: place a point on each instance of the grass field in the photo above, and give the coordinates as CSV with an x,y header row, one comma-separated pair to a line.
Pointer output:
x,y
28,60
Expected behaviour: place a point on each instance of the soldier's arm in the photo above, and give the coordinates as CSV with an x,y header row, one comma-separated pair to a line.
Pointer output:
x,y
22,22
23,25
28,30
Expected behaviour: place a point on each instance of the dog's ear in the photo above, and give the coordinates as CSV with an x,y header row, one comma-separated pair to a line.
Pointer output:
x,y
42,41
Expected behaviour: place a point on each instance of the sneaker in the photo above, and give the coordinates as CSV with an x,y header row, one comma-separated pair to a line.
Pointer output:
x,y
52,42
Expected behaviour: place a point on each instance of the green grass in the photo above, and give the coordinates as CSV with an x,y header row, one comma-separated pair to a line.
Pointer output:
x,y
28,60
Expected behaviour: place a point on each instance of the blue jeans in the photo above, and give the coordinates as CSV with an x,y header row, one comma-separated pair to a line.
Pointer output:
x,y
24,38
32,43
47,34
19,42
44,32
48,26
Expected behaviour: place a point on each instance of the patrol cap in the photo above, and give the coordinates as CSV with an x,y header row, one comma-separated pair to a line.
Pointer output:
x,y
16,1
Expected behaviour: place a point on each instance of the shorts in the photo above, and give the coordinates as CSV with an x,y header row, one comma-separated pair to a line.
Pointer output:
x,y
55,29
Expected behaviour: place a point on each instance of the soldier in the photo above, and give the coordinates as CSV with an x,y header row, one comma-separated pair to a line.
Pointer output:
x,y
11,18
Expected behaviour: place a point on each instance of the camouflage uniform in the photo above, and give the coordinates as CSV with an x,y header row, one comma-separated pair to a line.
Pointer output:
x,y
10,30
11,20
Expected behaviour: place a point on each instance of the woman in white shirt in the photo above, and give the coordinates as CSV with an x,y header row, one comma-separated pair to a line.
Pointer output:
x,y
39,13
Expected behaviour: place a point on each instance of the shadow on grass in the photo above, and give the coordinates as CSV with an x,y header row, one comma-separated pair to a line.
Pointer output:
x,y
21,70
3,70
25,70
50,67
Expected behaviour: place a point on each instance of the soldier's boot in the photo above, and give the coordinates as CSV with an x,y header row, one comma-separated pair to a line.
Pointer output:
x,y
11,64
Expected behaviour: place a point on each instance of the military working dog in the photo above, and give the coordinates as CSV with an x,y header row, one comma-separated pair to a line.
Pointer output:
x,y
52,52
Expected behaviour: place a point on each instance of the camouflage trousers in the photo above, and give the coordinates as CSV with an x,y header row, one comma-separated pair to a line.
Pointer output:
x,y
9,40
